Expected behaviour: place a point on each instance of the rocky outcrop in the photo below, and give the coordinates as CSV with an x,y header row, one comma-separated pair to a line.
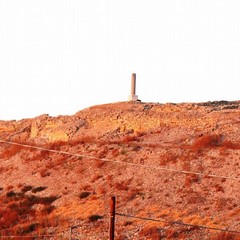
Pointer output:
x,y
111,120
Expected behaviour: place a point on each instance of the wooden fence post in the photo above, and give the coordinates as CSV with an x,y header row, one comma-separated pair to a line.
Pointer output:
x,y
112,218
70,233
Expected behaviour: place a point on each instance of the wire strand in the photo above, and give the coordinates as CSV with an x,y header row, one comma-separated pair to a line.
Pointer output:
x,y
177,223
120,162
33,236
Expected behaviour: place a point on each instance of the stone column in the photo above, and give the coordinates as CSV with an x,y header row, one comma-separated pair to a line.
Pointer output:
x,y
133,96
133,87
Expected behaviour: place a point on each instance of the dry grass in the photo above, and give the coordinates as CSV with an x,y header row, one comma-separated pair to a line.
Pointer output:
x,y
167,140
213,141
18,213
10,151
151,232
225,236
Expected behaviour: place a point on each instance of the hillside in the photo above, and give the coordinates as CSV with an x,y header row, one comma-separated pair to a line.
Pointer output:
x,y
174,169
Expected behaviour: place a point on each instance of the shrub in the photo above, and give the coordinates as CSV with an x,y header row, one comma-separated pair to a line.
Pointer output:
x,y
44,153
48,200
230,145
136,148
26,188
39,155
11,151
123,152
13,206
18,215
224,236
127,223
8,218
168,157
47,209
38,189
191,178
123,185
44,172
14,195
152,232
94,218
61,160
27,229
84,194
9,187
31,200
219,188
208,141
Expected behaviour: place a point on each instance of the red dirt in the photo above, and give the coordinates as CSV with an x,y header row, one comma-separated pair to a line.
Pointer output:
x,y
45,192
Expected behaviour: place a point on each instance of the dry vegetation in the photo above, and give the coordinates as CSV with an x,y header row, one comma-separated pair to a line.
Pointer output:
x,y
128,150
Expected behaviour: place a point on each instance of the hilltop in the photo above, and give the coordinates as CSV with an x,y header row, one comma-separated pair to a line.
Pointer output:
x,y
175,163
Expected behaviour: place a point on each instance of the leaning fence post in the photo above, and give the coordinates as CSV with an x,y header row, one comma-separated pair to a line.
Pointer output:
x,y
112,218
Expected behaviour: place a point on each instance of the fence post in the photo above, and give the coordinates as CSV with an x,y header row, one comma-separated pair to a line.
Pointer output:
x,y
112,218
70,233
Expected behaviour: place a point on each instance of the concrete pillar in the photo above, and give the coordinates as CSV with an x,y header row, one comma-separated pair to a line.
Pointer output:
x,y
133,96
133,87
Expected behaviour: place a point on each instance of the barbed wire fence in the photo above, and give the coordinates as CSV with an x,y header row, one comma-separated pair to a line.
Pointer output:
x,y
68,232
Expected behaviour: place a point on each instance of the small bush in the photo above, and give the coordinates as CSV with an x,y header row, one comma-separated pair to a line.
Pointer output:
x,y
18,216
48,200
208,141
28,229
94,218
168,158
127,223
84,195
11,194
191,178
10,151
44,173
123,152
47,209
123,186
38,155
136,148
152,232
26,188
38,189
8,218
224,236
219,188
10,187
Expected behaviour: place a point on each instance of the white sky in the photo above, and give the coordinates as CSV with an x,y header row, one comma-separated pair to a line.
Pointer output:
x,y
60,56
